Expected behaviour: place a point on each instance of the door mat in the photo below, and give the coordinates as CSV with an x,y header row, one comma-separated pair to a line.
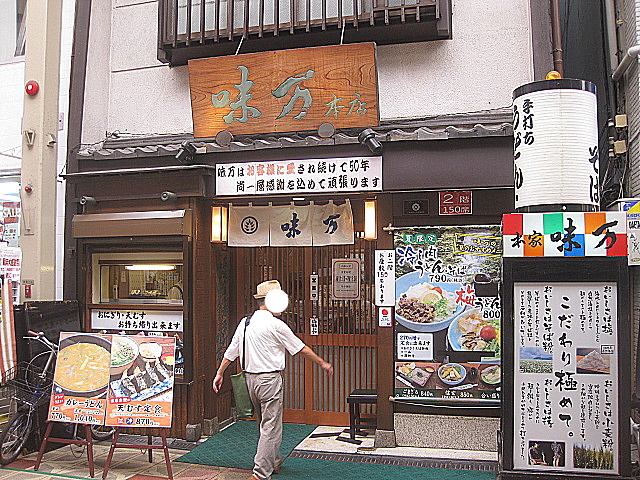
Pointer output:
x,y
451,463
235,446
305,469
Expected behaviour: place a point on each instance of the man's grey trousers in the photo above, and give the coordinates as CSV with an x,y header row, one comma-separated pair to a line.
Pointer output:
x,y
265,390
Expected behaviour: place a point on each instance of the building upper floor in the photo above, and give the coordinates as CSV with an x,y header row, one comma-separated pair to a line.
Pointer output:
x,y
434,57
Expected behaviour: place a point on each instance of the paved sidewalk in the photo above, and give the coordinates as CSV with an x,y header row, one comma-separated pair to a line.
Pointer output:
x,y
70,461
127,464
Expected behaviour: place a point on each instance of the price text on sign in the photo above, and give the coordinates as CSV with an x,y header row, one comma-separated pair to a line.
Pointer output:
x,y
455,203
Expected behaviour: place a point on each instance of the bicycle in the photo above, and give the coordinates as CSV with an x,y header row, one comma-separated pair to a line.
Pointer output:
x,y
31,383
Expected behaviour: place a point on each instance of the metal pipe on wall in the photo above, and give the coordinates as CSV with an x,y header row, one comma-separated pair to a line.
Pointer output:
x,y
556,37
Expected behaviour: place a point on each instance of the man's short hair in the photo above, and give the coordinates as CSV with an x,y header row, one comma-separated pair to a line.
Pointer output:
x,y
260,302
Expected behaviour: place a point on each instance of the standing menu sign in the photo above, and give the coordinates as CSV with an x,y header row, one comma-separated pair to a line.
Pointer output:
x,y
566,377
447,314
114,380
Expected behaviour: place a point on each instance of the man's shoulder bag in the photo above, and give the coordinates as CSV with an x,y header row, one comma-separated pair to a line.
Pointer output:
x,y
244,407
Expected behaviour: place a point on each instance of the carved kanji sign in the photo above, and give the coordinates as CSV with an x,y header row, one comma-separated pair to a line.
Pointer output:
x,y
285,90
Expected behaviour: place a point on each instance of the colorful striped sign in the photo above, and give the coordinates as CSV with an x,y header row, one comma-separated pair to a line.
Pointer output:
x,y
573,234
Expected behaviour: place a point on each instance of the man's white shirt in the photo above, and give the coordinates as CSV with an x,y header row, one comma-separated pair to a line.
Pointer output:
x,y
267,339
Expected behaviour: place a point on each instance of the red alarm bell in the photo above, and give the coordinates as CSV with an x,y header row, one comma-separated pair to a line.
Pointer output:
x,y
32,87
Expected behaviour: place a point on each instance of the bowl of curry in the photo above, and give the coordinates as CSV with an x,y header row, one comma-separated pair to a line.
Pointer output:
x,y
82,367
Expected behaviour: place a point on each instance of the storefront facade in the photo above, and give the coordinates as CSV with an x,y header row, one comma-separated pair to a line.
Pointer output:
x,y
140,203
145,259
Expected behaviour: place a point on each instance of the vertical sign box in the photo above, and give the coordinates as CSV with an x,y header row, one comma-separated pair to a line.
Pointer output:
x,y
385,278
567,380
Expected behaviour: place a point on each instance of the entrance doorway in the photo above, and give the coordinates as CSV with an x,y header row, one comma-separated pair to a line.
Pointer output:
x,y
346,333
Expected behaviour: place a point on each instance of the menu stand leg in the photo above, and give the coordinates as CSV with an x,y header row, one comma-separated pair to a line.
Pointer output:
x,y
150,442
89,439
43,445
110,456
166,453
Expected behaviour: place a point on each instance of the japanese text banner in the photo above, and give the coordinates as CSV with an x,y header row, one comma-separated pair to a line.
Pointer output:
x,y
249,226
290,226
324,175
332,224
565,234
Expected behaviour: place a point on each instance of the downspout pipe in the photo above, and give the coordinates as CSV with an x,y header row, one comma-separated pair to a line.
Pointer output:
x,y
631,54
556,37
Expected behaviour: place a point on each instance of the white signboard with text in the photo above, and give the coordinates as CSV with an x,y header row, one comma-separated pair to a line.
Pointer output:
x,y
143,320
323,175
345,279
415,346
566,377
385,278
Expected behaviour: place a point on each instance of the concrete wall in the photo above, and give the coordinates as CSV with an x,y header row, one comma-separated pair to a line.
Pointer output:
x,y
66,45
446,431
11,103
129,90
629,12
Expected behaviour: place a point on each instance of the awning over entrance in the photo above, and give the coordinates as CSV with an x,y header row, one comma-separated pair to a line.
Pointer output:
x,y
125,224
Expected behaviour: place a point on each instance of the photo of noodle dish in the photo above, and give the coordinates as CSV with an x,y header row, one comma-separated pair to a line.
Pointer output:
x,y
471,332
82,365
423,306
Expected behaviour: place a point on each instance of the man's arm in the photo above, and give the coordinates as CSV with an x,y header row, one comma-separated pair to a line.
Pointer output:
x,y
307,352
217,381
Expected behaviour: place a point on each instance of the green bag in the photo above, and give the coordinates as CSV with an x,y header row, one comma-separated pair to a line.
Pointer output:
x,y
244,407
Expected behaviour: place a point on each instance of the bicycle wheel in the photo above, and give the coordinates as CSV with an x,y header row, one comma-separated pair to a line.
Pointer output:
x,y
34,373
102,432
14,435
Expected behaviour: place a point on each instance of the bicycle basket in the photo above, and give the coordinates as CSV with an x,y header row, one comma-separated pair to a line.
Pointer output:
x,y
29,384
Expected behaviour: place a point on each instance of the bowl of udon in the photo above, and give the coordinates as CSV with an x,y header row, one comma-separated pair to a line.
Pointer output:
x,y
82,366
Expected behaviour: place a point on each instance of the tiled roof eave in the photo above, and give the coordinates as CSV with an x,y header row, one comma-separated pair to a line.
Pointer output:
x,y
153,147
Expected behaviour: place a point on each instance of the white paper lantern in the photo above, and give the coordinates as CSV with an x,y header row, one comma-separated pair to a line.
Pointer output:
x,y
555,129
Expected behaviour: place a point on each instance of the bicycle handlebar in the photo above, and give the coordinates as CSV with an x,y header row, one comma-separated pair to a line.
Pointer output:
x,y
40,336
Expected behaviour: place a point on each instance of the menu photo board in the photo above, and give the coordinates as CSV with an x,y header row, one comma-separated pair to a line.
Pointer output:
x,y
168,323
448,314
114,380
566,377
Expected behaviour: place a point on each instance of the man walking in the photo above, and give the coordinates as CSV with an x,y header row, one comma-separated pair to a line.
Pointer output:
x,y
267,338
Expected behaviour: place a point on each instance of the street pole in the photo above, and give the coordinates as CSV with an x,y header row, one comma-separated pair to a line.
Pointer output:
x,y
40,149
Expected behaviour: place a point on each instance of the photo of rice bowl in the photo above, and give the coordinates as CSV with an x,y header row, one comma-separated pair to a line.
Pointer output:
x,y
423,306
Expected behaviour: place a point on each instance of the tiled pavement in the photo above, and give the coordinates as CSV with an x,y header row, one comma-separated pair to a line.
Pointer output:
x,y
70,461
127,464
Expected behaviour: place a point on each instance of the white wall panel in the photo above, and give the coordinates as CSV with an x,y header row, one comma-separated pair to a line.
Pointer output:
x,y
490,54
134,48
98,76
150,101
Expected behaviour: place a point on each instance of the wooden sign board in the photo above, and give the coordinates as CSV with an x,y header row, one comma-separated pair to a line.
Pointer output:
x,y
285,90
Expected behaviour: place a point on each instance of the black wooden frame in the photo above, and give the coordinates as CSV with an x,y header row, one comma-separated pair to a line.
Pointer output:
x,y
566,270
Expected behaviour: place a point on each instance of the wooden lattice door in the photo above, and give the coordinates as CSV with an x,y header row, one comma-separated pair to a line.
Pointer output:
x,y
346,328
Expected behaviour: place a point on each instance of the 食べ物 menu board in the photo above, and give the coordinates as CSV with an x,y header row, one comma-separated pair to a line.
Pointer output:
x,y
115,380
448,314
566,377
